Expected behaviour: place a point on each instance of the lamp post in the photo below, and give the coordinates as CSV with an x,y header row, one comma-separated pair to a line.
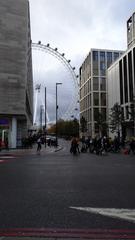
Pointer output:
x,y
45,117
57,115
41,112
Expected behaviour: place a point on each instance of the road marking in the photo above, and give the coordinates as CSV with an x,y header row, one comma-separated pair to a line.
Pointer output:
x,y
126,214
8,157
1,161
69,233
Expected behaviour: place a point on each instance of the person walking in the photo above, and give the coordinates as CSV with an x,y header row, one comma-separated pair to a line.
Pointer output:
x,y
39,145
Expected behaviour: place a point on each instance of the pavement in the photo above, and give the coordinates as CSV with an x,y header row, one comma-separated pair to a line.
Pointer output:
x,y
27,151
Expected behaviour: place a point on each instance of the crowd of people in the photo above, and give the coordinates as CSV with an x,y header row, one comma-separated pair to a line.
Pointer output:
x,y
101,145
97,145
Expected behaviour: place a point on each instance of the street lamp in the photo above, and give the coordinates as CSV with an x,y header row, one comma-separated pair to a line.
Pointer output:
x,y
41,113
45,117
57,115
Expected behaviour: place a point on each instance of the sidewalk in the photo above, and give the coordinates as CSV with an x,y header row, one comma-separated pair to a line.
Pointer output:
x,y
28,151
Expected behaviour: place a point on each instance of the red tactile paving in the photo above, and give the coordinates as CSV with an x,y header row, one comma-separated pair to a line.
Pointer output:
x,y
109,234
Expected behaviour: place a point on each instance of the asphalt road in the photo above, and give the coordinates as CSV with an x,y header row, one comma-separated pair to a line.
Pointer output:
x,y
38,191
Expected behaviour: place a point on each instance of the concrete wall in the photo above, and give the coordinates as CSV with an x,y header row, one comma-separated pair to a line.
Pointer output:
x,y
16,82
14,39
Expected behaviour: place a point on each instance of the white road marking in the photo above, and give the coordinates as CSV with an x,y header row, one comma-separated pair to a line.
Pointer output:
x,y
8,157
126,214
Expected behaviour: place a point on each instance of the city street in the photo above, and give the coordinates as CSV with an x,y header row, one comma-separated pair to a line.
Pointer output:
x,y
60,191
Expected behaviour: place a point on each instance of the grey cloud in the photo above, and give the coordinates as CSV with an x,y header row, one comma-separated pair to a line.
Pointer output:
x,y
75,26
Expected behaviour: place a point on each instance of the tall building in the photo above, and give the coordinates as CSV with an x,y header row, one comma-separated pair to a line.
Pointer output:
x,y
131,31
121,82
16,82
93,86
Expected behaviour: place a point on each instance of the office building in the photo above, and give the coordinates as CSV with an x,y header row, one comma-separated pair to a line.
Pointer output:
x,y
16,83
93,87
131,31
121,82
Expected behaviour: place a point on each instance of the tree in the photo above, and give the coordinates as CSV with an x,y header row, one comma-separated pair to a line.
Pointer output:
x,y
102,124
83,125
66,128
132,114
116,119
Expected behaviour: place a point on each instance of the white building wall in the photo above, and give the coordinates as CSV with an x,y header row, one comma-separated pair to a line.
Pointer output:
x,y
113,95
113,85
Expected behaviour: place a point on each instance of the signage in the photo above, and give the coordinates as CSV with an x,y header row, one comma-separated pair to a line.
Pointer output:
x,y
4,122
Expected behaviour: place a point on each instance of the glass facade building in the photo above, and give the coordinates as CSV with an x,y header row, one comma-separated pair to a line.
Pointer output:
x,y
93,86
123,90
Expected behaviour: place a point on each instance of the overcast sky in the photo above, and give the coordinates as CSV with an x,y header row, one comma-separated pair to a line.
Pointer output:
x,y
76,26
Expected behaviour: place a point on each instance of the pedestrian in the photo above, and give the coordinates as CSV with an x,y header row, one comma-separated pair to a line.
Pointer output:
x,y
132,146
6,143
39,145
73,148
77,144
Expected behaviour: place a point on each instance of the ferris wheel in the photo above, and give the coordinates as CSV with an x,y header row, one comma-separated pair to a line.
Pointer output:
x,y
70,91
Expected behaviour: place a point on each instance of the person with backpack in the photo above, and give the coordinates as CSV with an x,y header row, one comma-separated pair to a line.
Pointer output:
x,y
39,145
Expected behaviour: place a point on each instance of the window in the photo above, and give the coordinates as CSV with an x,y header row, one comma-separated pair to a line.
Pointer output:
x,y
109,58
102,64
96,128
95,63
130,76
102,56
90,100
95,56
116,56
96,99
95,83
134,63
125,79
89,116
102,84
96,114
102,69
132,111
103,99
121,82
103,112
127,112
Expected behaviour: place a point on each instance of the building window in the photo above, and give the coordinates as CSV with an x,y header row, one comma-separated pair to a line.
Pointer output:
x,y
127,112
109,59
96,128
102,84
89,117
132,112
96,114
134,63
103,112
95,56
121,82
90,84
102,69
116,56
95,63
90,100
102,56
125,79
96,99
95,83
103,99
130,76
102,64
